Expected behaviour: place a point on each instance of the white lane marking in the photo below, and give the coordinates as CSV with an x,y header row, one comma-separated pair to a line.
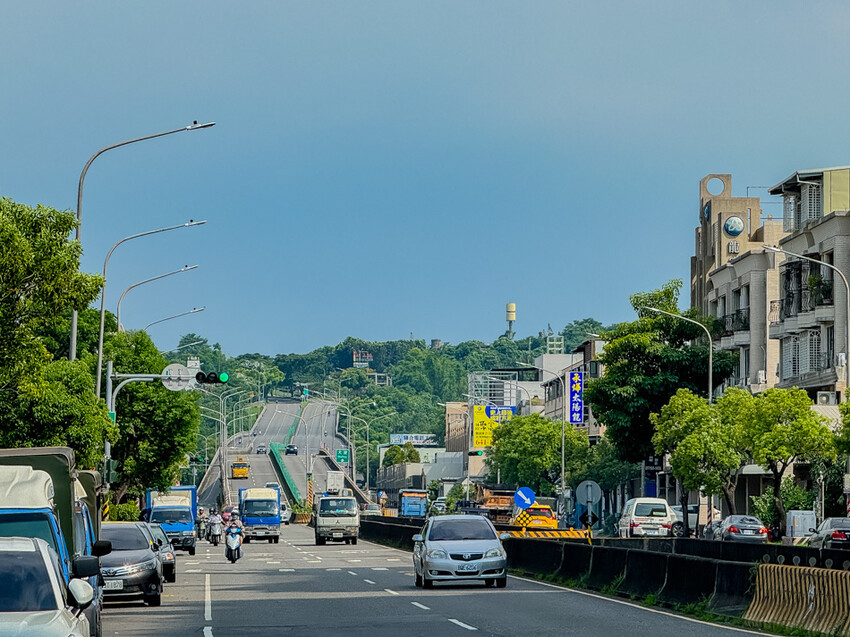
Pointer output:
x,y
418,605
208,631
194,570
314,561
207,600
368,581
352,561
333,569
278,562
462,625
379,568
192,562
391,592
393,559
352,573
286,570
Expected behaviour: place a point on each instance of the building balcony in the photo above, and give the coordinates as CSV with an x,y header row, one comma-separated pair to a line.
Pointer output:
x,y
817,371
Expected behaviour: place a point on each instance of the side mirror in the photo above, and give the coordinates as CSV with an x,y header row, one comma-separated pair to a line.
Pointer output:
x,y
812,531
159,543
101,548
86,566
418,538
82,592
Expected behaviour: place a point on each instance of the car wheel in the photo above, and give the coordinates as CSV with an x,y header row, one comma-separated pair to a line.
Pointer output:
x,y
276,540
502,582
417,579
191,550
427,583
153,600
172,577
489,582
354,540
678,529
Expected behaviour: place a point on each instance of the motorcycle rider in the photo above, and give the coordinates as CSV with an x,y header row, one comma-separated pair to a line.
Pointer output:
x,y
234,529
215,518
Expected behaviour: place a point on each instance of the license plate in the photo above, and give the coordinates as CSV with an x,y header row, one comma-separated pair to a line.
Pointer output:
x,y
337,534
261,532
467,567
113,585
749,532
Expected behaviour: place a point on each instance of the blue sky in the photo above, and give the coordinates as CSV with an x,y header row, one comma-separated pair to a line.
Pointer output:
x,y
382,168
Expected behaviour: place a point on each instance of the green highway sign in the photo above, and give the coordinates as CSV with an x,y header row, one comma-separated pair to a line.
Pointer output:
x,y
342,455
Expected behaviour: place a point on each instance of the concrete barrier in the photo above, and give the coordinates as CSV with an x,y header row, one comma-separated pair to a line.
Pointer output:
x,y
734,585
542,557
698,548
392,534
835,558
575,562
646,572
606,565
813,599
689,579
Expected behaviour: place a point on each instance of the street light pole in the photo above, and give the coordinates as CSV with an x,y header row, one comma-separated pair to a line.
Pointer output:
x,y
194,126
710,344
185,268
103,290
194,310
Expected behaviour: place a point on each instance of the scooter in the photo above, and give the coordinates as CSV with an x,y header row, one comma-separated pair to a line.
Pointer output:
x,y
233,551
215,533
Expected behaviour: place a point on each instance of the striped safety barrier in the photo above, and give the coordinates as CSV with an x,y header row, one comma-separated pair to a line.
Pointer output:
x,y
553,534
805,597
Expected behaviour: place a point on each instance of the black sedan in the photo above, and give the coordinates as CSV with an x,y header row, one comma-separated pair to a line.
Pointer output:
x,y
291,450
132,569
833,533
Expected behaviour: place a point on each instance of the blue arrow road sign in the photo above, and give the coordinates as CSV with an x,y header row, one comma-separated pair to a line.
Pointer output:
x,y
524,497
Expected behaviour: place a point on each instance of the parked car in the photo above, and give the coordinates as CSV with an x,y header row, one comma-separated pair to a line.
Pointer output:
x,y
371,509
709,530
678,527
646,517
291,450
132,569
34,599
832,533
166,553
741,528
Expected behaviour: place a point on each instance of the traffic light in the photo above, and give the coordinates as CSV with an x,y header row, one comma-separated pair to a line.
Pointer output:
x,y
211,378
475,453
110,470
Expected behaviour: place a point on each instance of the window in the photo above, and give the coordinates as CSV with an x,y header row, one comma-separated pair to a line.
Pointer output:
x,y
25,585
790,357
811,202
814,350
830,346
475,528
28,525
171,516
260,508
125,537
745,364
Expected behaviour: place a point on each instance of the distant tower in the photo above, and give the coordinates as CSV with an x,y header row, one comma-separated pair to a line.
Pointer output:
x,y
510,315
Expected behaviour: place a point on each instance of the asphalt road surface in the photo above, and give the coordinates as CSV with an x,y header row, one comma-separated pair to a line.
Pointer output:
x,y
297,588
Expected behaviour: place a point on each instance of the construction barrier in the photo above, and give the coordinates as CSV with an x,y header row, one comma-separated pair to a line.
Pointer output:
x,y
813,599
550,535
606,565
534,556
645,573
689,579
733,588
575,562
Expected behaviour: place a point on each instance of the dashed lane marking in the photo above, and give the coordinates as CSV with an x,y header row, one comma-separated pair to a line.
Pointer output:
x,y
352,573
333,569
193,570
286,570
391,592
368,581
379,568
418,605
462,625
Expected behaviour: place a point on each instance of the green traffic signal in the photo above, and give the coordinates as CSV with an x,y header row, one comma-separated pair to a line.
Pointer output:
x,y
223,377
212,378
476,453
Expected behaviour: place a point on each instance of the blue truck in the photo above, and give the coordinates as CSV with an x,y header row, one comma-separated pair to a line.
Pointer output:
x,y
259,510
414,503
176,511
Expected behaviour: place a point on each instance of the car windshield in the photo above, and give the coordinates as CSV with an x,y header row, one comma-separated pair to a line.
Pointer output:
x,y
649,510
540,513
124,537
159,534
25,585
171,516
239,465
339,507
471,529
260,508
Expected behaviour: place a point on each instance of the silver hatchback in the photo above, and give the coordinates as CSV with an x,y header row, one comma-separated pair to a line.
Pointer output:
x,y
459,548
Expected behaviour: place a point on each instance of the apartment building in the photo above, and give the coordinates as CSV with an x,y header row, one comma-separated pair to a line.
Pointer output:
x,y
809,315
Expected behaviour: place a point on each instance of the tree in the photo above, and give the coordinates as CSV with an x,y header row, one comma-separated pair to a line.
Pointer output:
x,y
157,427
526,450
705,448
780,427
646,362
606,469
577,332
410,453
393,455
792,496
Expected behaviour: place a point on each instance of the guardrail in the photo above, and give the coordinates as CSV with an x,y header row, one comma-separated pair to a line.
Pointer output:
x,y
277,461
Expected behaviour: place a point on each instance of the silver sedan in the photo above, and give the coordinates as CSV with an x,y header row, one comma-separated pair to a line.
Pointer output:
x,y
459,548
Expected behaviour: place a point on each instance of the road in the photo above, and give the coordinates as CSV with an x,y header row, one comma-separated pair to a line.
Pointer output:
x,y
297,588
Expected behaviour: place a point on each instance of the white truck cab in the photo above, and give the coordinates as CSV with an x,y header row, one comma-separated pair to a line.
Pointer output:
x,y
337,519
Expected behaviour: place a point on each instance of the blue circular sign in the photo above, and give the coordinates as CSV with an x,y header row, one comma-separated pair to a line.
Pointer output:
x,y
524,497
734,226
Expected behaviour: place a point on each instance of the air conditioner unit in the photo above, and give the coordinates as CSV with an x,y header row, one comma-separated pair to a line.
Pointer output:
x,y
762,376
827,398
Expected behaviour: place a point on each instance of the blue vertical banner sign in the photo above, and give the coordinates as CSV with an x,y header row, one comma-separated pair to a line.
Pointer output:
x,y
576,398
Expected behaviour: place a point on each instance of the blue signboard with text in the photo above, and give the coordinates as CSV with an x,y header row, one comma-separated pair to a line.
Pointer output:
x,y
576,398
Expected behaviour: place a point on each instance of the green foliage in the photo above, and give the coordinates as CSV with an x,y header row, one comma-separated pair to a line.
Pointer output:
x,y
301,506
527,452
157,427
793,499
576,332
455,495
393,455
433,490
606,468
126,512
410,453
646,362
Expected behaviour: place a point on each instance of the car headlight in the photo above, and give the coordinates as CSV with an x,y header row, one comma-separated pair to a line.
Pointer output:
x,y
150,565
170,556
437,554
188,533
494,552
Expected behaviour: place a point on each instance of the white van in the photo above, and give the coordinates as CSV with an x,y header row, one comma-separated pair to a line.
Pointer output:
x,y
646,517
